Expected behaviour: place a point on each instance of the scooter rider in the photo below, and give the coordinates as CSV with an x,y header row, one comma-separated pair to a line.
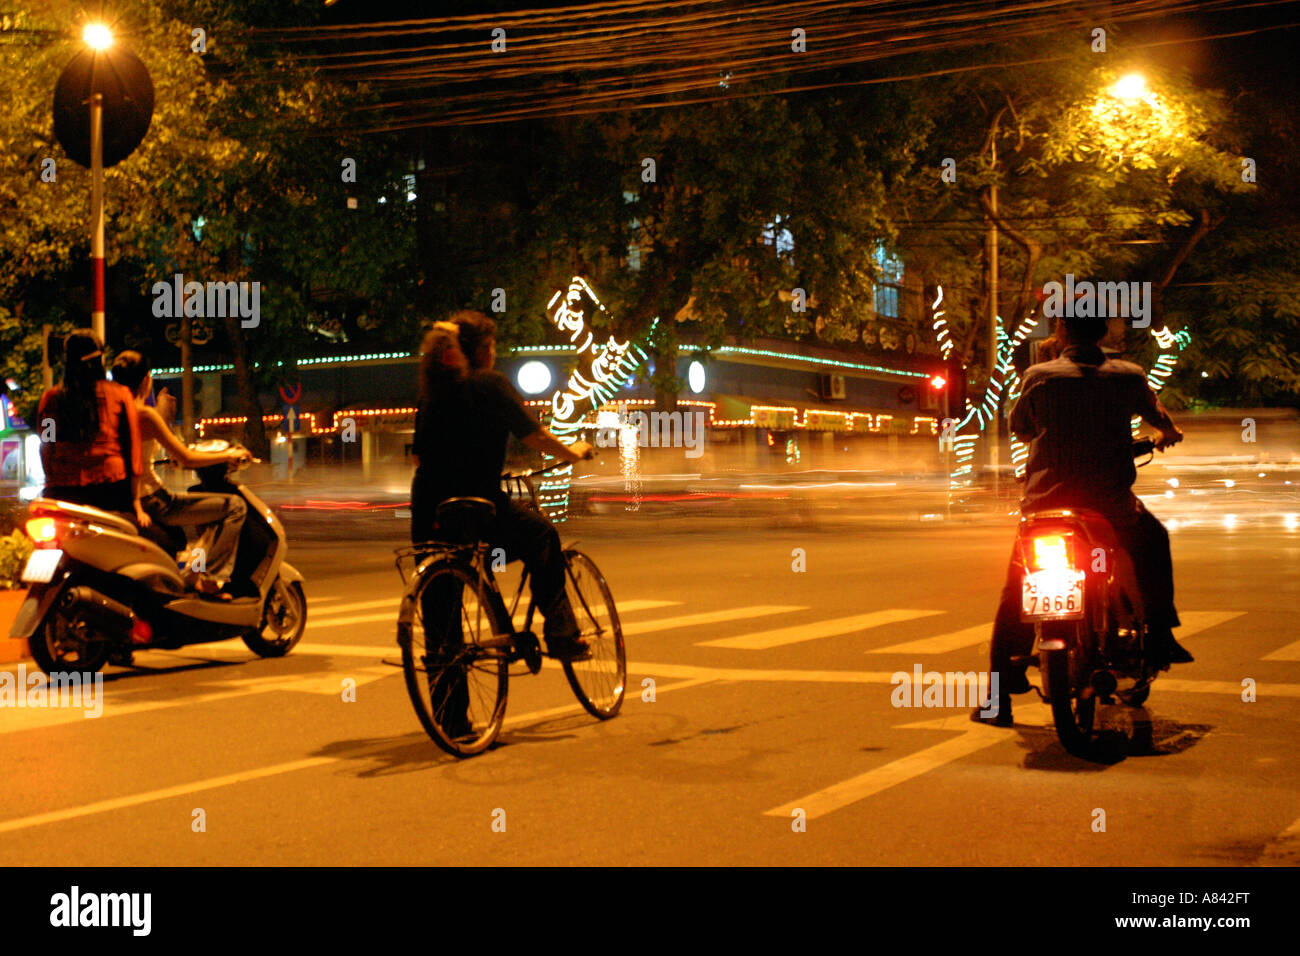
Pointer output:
x,y
1075,412
218,516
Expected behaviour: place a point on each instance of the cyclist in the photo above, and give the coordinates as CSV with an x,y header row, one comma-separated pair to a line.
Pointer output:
x,y
465,415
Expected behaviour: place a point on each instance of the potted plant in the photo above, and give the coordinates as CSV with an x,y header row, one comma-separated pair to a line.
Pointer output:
x,y
14,551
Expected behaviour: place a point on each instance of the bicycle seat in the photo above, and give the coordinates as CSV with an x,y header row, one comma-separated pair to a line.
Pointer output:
x,y
464,520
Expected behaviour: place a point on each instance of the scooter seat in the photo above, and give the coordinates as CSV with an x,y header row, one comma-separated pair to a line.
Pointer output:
x,y
52,507
1096,524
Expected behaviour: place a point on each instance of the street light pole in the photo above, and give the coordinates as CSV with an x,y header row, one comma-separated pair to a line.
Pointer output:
x,y
97,213
991,253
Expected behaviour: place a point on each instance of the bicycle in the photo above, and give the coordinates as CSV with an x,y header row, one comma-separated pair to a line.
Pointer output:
x,y
457,636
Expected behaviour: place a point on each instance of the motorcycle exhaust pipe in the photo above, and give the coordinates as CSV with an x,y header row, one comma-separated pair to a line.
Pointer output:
x,y
1104,683
100,605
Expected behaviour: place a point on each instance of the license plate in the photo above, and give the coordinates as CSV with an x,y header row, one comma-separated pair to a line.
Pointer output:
x,y
41,566
1055,595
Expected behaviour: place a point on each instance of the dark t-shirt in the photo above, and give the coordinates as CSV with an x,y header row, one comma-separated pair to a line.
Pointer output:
x,y
460,437
1076,412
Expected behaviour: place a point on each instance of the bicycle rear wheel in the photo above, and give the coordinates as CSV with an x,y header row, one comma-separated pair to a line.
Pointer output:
x,y
601,681
455,662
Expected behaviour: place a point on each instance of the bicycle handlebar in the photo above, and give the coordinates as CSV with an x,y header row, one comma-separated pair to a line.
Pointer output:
x,y
537,471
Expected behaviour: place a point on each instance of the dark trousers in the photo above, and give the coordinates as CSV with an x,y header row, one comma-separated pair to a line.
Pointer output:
x,y
1145,539
523,534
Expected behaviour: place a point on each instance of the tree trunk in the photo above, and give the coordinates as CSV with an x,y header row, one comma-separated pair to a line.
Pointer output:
x,y
1158,287
187,378
254,428
1033,250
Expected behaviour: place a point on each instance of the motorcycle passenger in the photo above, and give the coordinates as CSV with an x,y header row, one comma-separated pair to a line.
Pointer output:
x,y
218,518
1075,413
91,455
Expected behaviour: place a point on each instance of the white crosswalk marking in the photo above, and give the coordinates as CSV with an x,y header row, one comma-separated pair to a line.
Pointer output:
x,y
940,643
1289,653
708,617
1193,623
763,640
352,606
314,622
1196,621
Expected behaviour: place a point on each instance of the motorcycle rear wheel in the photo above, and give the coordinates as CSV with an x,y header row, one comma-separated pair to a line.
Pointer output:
x,y
1075,715
55,649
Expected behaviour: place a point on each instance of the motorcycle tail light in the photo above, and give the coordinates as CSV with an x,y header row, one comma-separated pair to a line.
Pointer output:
x,y
1052,553
42,530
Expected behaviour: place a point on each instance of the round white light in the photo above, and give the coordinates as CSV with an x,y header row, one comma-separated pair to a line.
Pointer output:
x,y
534,377
695,377
1131,87
97,36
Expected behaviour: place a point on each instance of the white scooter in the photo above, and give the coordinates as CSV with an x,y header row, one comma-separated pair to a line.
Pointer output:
x,y
98,591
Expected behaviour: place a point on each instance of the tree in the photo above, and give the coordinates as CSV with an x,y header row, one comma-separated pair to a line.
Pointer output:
x,y
240,179
1088,182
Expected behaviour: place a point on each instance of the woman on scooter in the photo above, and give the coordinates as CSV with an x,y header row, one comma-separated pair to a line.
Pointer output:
x,y
90,437
218,516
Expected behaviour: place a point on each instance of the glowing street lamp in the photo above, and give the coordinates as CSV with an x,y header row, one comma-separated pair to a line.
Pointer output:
x,y
103,103
1130,87
97,36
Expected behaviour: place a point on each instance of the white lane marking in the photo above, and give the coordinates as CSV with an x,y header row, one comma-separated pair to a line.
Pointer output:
x,y
762,640
940,643
39,718
1283,849
244,776
972,738
708,617
180,790
391,602
1196,621
389,615
1289,653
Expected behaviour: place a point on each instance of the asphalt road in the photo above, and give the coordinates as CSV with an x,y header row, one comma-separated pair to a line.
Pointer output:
x,y
771,692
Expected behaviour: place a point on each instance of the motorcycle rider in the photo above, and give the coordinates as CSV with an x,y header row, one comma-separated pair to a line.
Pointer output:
x,y
1075,413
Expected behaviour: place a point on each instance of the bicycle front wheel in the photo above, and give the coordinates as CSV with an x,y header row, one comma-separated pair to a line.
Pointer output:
x,y
600,681
455,662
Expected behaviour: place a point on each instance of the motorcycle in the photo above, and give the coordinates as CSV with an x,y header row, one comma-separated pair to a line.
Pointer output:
x,y
98,590
1080,591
